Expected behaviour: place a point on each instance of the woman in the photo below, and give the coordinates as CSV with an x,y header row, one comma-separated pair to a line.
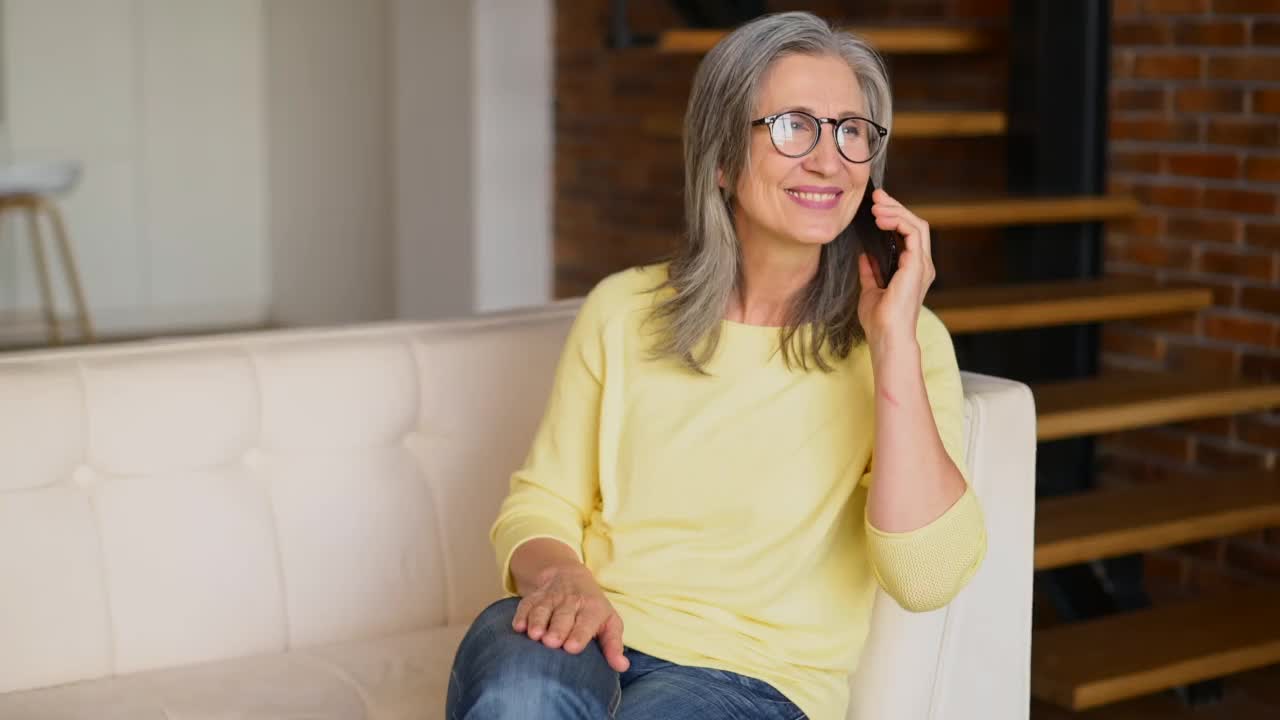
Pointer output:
x,y
698,530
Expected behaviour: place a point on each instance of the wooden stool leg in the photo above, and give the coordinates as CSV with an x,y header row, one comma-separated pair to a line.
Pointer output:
x,y
42,275
69,263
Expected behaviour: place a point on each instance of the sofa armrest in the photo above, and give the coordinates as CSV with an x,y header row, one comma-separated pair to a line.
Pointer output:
x,y
972,659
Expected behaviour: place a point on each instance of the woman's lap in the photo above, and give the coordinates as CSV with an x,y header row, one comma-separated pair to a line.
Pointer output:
x,y
501,673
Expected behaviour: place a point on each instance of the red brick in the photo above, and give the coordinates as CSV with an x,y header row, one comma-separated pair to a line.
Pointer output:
x,y
1126,8
1197,358
1263,235
1148,32
1204,164
1121,64
1266,101
1246,7
1181,324
1178,196
1244,131
1257,429
1127,342
1157,443
1236,328
1154,129
1155,254
1142,225
1266,32
1203,99
1176,6
1222,457
1139,98
1212,32
1241,201
1254,558
1224,290
1262,299
1137,162
1258,68
1199,229
1240,263
1167,66
1262,169
1260,366
1217,427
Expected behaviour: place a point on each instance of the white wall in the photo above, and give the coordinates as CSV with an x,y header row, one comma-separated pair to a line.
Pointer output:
x,y
329,161
299,161
473,154
161,100
513,61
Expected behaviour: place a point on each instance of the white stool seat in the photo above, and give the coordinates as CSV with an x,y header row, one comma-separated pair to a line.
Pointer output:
x,y
38,178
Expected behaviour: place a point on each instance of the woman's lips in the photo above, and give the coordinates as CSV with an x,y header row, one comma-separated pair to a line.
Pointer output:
x,y
816,200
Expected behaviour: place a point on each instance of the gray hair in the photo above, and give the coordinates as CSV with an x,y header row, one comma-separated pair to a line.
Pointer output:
x,y
706,270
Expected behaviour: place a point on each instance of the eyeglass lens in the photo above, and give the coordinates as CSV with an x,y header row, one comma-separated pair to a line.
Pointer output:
x,y
795,135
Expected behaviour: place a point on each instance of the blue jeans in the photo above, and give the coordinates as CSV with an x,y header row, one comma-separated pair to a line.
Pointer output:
x,y
499,674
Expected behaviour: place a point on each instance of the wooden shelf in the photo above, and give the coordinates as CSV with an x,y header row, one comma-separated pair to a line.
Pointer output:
x,y
941,124
1123,401
1107,523
1021,211
891,40
1087,664
960,123
1008,307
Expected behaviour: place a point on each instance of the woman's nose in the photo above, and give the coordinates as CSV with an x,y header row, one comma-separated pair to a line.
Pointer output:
x,y
825,158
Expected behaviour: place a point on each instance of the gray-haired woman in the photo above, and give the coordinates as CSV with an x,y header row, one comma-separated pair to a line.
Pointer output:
x,y
698,531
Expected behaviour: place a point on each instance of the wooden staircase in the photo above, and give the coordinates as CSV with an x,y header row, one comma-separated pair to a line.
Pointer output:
x,y
1086,664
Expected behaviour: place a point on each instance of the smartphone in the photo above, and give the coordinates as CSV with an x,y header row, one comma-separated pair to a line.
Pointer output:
x,y
882,246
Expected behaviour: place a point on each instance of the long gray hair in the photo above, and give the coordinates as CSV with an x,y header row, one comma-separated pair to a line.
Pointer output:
x,y
706,270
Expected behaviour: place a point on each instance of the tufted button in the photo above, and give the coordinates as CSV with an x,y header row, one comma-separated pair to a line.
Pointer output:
x,y
84,477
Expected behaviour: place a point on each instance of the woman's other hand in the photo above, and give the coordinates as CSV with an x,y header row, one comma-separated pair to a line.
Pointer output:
x,y
889,313
562,606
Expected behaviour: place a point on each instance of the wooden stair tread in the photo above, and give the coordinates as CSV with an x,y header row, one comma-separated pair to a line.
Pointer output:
x,y
1106,523
949,123
885,39
1025,305
1123,401
906,124
1087,664
1024,210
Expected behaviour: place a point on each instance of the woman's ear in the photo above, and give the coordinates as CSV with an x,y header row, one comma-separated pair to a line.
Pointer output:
x,y
720,178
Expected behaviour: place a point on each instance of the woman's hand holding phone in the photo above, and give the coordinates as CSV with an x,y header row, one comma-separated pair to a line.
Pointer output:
x,y
889,314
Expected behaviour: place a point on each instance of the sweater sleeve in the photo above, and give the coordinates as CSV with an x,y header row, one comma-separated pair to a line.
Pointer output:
x,y
925,568
554,491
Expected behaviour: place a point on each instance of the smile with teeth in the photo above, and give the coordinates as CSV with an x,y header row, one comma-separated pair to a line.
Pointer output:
x,y
815,197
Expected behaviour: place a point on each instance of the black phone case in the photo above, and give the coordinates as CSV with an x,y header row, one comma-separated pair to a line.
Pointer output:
x,y
881,246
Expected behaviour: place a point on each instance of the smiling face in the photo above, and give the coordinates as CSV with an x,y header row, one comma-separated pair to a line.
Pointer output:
x,y
806,200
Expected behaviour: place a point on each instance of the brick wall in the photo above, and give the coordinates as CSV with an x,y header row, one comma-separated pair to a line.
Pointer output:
x,y
1195,136
618,114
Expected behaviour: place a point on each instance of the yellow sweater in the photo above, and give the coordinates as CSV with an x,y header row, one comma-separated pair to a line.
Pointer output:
x,y
725,516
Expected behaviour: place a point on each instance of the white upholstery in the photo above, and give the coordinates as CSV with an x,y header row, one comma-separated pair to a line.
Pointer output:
x,y
294,524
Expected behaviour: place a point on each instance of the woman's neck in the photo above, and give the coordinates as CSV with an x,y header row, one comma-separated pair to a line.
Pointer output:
x,y
771,277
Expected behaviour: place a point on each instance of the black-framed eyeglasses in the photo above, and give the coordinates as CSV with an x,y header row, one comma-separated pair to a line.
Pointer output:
x,y
796,133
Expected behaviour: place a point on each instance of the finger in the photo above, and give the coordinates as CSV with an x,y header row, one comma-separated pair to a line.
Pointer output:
x,y
589,622
562,619
611,643
866,276
521,620
538,618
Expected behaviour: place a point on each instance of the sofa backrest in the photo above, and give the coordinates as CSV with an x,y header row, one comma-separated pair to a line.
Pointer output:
x,y
174,502
181,501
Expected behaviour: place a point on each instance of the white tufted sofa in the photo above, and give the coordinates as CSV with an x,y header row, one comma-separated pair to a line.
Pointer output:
x,y
294,525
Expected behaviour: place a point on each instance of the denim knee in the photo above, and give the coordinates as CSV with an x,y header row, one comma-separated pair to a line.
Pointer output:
x,y
499,673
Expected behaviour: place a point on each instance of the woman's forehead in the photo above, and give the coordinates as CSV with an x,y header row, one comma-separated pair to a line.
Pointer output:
x,y
819,83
